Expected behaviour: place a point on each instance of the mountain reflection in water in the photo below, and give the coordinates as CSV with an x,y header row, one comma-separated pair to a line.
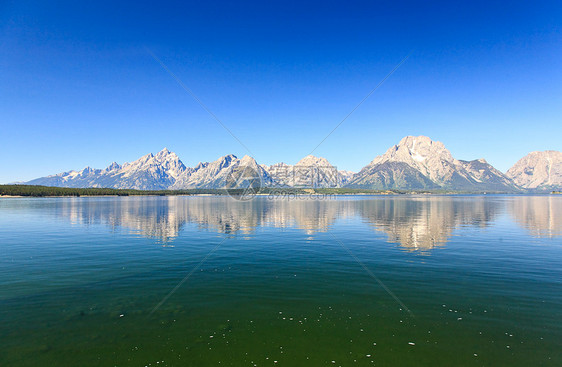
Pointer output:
x,y
417,223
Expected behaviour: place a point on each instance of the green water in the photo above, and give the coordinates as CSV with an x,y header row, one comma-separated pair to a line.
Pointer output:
x,y
387,281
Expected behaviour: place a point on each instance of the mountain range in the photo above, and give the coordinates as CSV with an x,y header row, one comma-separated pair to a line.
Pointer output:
x,y
415,163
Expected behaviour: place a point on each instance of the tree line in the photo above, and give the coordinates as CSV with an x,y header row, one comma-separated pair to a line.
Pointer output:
x,y
43,191
46,191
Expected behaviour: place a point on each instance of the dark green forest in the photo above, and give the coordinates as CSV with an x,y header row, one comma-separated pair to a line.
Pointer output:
x,y
46,191
39,191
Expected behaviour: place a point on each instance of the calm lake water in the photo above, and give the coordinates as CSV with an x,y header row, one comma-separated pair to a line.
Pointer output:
x,y
210,281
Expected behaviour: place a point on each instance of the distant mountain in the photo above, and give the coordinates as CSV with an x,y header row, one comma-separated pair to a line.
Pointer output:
x,y
421,163
345,176
216,175
415,163
538,170
390,175
487,176
310,171
150,172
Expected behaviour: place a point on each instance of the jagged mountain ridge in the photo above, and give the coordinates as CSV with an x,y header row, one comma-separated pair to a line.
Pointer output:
x,y
166,171
215,175
310,171
149,172
415,163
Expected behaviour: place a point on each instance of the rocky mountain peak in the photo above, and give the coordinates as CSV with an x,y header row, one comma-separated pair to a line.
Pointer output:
x,y
247,160
416,162
538,170
163,154
201,165
166,155
429,157
113,166
411,141
311,160
419,162
224,161
420,148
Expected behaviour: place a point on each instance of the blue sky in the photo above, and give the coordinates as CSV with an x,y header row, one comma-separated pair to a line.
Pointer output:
x,y
78,87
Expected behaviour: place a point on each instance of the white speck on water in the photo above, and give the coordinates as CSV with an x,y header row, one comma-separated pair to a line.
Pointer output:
x,y
411,343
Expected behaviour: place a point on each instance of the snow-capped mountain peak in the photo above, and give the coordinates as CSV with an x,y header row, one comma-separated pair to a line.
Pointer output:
x,y
416,162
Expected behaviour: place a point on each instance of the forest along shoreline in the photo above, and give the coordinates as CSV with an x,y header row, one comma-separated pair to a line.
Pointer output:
x,y
19,191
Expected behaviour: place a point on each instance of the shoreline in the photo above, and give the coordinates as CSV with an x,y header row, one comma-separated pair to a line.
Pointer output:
x,y
287,195
19,191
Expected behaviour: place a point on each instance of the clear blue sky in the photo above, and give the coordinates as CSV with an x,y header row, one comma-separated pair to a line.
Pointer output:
x,y
78,87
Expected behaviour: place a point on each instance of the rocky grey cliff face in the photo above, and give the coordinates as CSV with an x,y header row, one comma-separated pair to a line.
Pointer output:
x,y
418,162
486,175
391,175
538,170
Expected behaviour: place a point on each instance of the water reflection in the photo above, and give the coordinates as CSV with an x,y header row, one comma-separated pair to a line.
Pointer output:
x,y
415,223
164,217
427,222
541,215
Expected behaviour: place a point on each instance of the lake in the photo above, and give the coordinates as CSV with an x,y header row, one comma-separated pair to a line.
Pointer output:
x,y
329,281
